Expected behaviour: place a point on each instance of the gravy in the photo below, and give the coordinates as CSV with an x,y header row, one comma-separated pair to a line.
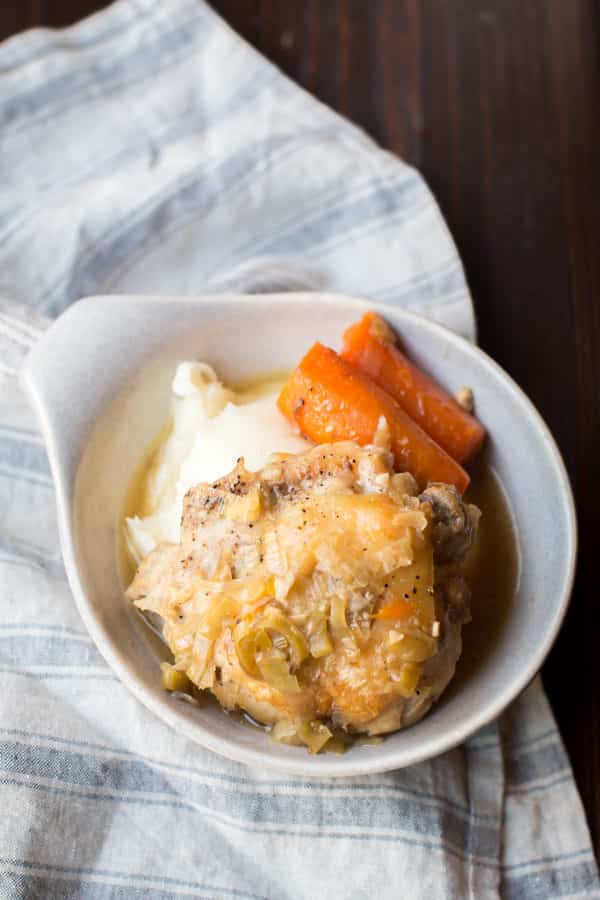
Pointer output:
x,y
492,567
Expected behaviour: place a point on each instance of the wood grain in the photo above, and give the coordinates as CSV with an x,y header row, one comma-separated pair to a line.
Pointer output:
x,y
496,101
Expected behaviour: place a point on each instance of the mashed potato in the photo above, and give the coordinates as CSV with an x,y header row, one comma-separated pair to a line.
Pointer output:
x,y
211,428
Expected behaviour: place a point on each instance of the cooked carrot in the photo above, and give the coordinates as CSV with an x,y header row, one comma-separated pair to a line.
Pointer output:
x,y
397,609
331,400
370,345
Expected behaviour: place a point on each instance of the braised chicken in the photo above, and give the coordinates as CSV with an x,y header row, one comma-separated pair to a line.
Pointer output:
x,y
319,593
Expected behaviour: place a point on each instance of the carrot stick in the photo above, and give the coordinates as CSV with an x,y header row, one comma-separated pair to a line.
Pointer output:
x,y
330,400
370,345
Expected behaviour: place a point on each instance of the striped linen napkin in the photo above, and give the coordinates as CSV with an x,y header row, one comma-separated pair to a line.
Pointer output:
x,y
149,149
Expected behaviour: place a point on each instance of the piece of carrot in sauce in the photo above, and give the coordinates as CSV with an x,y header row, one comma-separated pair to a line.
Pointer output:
x,y
331,400
371,346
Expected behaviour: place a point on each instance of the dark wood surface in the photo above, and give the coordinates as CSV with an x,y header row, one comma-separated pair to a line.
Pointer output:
x,y
497,102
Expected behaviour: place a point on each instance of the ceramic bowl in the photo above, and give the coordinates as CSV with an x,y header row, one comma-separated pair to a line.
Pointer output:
x,y
99,380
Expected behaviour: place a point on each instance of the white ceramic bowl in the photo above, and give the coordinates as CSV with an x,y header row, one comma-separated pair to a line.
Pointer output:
x,y
100,382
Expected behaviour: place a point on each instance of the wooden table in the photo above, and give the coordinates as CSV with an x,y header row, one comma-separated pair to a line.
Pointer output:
x,y
496,101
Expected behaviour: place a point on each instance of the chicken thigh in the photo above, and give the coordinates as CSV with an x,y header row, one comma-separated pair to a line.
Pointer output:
x,y
318,593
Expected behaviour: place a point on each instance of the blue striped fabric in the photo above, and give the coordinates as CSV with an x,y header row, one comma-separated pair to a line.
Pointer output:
x,y
149,149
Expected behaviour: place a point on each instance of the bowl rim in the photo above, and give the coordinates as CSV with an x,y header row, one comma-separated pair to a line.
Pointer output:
x,y
228,748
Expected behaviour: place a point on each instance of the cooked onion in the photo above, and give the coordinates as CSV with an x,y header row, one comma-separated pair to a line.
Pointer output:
x,y
395,555
285,732
406,677
173,679
319,641
221,608
416,647
200,658
315,735
249,642
276,672
275,620
337,619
